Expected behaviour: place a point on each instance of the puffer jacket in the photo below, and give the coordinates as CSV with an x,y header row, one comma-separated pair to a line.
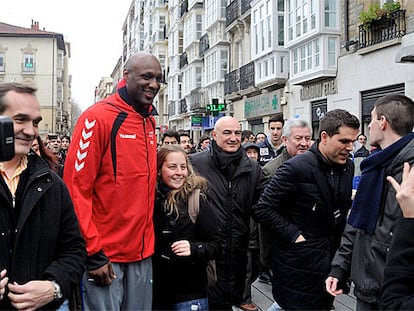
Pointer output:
x,y
232,198
362,256
310,197
266,151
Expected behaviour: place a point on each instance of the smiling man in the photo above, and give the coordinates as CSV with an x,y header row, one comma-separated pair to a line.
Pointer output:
x,y
42,251
305,204
110,170
235,182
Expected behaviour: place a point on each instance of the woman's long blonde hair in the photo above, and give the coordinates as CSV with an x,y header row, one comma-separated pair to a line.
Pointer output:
x,y
193,181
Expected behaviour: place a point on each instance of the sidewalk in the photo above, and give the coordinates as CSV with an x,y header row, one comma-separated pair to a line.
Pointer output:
x,y
262,297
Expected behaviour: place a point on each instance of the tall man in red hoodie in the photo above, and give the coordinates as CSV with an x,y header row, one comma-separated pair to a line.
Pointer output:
x,y
111,174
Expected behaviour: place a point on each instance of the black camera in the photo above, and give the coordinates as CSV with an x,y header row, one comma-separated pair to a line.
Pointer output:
x,y
6,139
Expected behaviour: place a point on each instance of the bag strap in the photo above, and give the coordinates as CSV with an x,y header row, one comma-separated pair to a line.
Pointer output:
x,y
194,205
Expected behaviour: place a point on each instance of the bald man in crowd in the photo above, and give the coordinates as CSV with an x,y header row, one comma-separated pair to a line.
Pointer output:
x,y
235,185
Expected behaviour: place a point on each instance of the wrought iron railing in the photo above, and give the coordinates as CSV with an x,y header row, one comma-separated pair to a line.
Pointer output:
x,y
244,6
184,8
247,76
232,12
183,60
183,106
384,29
231,82
203,45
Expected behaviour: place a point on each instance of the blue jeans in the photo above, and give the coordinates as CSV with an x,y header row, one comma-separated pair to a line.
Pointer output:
x,y
64,306
275,307
192,305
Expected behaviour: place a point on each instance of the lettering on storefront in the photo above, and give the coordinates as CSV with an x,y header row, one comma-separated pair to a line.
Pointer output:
x,y
262,105
319,89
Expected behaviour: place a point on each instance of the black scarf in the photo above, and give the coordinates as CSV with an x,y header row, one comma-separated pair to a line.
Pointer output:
x,y
367,203
226,161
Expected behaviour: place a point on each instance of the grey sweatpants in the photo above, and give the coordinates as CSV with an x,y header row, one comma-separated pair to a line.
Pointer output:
x,y
131,290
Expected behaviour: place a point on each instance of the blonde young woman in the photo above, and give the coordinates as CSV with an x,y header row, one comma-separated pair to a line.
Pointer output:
x,y
182,247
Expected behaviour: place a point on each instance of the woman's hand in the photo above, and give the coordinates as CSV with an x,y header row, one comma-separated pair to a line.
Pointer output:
x,y
181,248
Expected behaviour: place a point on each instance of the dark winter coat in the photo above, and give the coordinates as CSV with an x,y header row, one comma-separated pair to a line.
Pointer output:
x,y
177,278
266,151
362,256
231,198
310,197
397,292
44,241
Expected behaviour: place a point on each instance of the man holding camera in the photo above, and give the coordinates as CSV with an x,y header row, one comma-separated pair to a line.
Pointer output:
x,y
42,253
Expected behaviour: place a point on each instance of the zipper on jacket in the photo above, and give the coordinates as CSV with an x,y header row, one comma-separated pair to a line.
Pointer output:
x,y
13,200
148,181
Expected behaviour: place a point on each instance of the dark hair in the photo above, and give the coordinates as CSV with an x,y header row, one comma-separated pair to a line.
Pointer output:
x,y
336,118
278,118
65,137
246,134
49,157
203,138
170,133
399,112
184,133
6,87
365,136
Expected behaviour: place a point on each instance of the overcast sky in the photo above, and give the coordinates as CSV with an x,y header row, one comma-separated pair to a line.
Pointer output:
x,y
93,27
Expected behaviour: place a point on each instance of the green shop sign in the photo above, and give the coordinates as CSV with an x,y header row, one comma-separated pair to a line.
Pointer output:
x,y
262,105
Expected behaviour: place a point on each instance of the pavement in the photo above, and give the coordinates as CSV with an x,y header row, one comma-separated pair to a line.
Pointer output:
x,y
263,299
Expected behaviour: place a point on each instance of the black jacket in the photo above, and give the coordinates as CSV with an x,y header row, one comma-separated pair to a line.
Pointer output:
x,y
266,151
232,198
310,197
178,279
40,237
397,291
362,256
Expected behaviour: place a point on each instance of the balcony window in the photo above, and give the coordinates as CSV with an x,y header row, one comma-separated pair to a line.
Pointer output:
x,y
309,56
313,14
224,63
198,77
317,54
330,13
199,26
332,51
281,27
269,31
295,61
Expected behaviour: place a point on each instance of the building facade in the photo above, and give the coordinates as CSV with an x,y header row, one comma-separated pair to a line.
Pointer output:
x,y
40,58
256,59
344,63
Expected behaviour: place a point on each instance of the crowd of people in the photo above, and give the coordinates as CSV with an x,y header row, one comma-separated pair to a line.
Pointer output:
x,y
116,220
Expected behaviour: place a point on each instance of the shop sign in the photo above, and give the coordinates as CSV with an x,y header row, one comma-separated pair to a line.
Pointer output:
x,y
318,89
262,105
